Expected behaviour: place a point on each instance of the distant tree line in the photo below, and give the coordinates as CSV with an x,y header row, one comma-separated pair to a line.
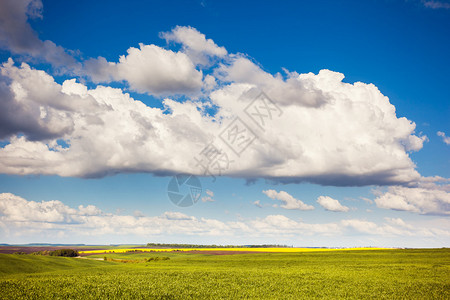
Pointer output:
x,y
268,246
59,252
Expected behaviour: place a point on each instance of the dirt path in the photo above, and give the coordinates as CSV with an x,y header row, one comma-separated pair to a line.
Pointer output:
x,y
91,258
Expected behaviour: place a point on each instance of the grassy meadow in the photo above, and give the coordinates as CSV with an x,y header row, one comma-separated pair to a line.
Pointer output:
x,y
355,274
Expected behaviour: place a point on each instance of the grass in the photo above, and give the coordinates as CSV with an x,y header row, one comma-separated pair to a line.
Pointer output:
x,y
367,274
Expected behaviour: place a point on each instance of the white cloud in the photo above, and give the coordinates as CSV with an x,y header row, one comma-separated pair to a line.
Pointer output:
x,y
367,200
177,216
17,209
19,213
149,69
331,204
17,35
138,214
434,183
445,139
343,130
330,132
137,137
157,71
296,89
371,228
257,203
430,200
288,201
195,44
397,222
35,105
22,218
209,196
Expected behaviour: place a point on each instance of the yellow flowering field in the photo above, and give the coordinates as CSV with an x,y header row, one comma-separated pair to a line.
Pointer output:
x,y
283,250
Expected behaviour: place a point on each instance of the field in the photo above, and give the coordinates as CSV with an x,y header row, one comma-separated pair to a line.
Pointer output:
x,y
222,250
356,274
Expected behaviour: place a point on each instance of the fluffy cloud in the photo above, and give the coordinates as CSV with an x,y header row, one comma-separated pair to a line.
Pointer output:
x,y
428,199
434,183
157,71
295,89
209,196
16,209
344,130
17,35
20,217
138,138
18,212
257,203
331,204
398,222
445,139
367,227
149,69
35,105
288,201
195,44
322,130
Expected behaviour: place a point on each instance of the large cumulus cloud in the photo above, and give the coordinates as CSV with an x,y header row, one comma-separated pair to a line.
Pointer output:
x,y
324,131
352,136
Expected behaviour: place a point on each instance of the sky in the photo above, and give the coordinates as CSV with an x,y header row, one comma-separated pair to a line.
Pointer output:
x,y
301,123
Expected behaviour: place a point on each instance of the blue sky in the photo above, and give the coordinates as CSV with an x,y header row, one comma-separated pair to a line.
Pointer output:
x,y
341,166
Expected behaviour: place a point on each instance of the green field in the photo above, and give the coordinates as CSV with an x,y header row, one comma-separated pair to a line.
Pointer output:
x,y
375,274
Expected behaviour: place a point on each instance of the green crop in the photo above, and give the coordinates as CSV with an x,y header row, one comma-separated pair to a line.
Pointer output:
x,y
380,274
